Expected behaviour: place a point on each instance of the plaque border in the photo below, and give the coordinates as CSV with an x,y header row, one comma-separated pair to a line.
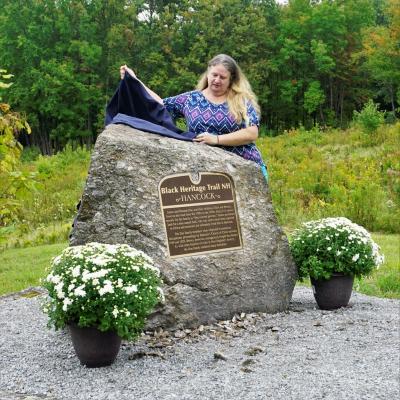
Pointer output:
x,y
200,173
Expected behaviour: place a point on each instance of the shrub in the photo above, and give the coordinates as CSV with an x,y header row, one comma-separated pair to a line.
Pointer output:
x,y
369,118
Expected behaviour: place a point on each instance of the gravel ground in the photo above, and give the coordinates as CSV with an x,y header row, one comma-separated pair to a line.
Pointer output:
x,y
305,353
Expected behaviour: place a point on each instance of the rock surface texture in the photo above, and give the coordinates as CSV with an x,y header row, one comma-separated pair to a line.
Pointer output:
x,y
121,204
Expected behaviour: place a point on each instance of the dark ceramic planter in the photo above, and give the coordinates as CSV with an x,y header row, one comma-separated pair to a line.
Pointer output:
x,y
93,347
333,293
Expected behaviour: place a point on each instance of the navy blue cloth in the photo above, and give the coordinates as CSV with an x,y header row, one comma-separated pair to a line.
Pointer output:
x,y
132,105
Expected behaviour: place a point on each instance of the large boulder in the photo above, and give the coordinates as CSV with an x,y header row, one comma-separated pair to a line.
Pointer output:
x,y
121,204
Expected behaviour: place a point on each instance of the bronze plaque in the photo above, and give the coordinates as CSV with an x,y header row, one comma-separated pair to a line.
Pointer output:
x,y
199,217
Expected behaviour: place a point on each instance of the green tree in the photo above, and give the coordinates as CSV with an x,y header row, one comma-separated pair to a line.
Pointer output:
x,y
13,182
369,118
381,55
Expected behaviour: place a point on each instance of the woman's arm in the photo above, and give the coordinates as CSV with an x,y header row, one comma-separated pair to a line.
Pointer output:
x,y
238,138
124,68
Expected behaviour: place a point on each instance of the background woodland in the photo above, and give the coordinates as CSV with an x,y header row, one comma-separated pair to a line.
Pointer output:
x,y
310,62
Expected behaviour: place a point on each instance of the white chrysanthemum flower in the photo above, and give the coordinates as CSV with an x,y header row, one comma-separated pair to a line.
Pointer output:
x,y
79,291
355,257
56,260
67,301
76,271
151,268
107,288
59,286
100,260
94,275
56,279
131,289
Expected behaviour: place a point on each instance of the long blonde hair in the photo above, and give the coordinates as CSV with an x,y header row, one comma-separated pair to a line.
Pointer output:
x,y
239,91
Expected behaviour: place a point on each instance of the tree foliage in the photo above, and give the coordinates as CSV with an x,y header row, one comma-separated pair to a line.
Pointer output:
x,y
13,181
310,62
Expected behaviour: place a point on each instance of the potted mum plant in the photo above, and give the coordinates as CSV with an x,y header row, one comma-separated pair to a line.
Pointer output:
x,y
103,293
332,251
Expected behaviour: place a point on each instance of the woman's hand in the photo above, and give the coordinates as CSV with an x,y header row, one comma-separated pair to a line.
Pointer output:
x,y
123,69
207,138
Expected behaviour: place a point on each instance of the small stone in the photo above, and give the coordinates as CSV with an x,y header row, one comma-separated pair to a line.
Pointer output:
x,y
275,329
141,354
201,328
298,309
248,362
246,369
340,328
219,356
252,351
317,323
179,334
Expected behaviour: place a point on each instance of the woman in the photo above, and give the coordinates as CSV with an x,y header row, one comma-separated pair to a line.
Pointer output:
x,y
223,109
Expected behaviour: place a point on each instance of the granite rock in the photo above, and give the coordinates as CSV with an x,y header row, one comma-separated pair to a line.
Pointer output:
x,y
121,204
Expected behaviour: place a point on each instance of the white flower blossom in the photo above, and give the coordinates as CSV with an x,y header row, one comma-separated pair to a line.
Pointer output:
x,y
131,289
107,288
67,301
355,257
59,289
76,271
54,279
56,260
86,275
100,260
79,291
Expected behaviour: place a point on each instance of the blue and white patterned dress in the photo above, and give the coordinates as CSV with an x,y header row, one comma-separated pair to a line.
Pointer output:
x,y
204,116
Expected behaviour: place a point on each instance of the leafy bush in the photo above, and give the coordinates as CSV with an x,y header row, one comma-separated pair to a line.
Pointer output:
x,y
14,182
111,287
369,118
30,154
323,247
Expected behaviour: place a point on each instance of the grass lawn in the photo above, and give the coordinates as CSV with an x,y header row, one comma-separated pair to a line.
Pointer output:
x,y
21,268
385,282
